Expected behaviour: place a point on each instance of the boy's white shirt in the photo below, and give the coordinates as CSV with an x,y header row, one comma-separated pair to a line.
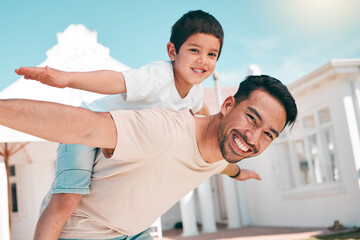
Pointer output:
x,y
150,86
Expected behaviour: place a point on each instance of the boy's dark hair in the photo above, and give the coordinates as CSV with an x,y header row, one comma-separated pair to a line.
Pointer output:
x,y
195,22
272,86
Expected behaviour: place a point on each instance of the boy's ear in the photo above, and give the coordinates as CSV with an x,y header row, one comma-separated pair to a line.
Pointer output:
x,y
171,51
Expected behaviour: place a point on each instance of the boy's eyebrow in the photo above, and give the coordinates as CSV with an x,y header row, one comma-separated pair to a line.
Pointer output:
x,y
197,45
254,111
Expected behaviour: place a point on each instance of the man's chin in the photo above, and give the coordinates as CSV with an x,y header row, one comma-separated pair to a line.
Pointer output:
x,y
233,160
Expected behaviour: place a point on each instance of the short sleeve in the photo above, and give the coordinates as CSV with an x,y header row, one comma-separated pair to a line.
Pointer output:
x,y
141,133
148,81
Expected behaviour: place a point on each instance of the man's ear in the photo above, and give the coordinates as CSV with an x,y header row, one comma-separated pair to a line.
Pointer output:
x,y
227,105
171,51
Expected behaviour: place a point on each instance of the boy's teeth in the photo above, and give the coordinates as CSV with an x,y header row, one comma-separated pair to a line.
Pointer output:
x,y
197,70
240,145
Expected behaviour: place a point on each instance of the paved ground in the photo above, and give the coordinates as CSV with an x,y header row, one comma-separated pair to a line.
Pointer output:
x,y
252,233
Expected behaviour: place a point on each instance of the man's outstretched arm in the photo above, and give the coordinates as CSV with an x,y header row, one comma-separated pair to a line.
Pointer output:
x,y
59,123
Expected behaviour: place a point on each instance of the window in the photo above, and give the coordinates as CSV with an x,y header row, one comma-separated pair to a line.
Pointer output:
x,y
302,162
14,189
311,142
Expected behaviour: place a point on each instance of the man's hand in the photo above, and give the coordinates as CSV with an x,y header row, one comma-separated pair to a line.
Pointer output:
x,y
246,174
232,170
47,75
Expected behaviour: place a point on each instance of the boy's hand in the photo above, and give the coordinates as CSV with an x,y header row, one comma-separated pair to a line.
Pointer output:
x,y
246,174
47,75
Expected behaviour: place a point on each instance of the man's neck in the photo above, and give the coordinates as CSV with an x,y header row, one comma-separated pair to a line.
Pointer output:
x,y
206,137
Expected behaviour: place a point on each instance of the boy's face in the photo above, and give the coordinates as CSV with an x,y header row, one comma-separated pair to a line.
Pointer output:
x,y
248,128
196,59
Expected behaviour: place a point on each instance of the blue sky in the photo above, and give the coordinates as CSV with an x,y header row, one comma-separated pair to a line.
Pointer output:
x,y
287,39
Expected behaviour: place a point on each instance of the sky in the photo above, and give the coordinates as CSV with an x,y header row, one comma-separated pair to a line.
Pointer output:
x,y
287,39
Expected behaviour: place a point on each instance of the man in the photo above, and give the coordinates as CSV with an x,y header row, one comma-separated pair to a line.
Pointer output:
x,y
157,156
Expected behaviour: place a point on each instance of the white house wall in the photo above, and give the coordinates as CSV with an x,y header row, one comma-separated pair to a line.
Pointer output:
x,y
308,206
34,182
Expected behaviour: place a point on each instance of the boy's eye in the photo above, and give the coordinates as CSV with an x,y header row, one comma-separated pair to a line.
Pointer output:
x,y
212,54
194,50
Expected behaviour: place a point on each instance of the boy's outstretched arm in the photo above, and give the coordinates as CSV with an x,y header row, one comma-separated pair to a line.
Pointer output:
x,y
102,81
59,123
233,169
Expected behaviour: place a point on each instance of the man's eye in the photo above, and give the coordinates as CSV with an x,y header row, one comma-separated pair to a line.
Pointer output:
x,y
252,119
269,135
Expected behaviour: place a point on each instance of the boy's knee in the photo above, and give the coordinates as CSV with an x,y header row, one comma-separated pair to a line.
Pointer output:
x,y
65,201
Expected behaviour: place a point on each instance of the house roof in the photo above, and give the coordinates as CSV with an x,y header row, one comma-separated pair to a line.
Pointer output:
x,y
330,69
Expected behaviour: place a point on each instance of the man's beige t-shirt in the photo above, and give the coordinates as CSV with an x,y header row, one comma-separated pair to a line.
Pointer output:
x,y
155,163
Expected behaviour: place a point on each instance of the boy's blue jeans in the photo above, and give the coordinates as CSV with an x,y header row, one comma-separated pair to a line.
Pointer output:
x,y
74,165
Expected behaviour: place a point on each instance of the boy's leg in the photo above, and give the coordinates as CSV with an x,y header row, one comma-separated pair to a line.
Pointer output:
x,y
74,165
59,209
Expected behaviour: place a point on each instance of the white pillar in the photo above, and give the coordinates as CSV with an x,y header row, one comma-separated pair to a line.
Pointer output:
x,y
4,211
206,207
352,123
244,207
188,215
231,201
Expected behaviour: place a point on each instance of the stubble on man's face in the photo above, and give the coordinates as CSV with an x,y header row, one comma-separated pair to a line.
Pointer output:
x,y
249,127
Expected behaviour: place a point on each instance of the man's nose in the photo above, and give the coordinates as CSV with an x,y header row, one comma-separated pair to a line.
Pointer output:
x,y
253,137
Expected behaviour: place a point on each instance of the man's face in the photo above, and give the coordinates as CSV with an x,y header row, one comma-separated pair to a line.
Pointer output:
x,y
196,59
247,129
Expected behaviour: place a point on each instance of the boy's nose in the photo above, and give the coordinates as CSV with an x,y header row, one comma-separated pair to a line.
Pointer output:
x,y
202,59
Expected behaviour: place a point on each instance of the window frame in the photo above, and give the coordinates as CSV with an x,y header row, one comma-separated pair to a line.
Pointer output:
x,y
302,134
17,179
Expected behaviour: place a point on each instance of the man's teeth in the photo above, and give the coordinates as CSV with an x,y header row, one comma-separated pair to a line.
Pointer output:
x,y
240,145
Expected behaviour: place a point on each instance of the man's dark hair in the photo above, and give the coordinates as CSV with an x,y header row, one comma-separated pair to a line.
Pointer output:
x,y
195,22
272,86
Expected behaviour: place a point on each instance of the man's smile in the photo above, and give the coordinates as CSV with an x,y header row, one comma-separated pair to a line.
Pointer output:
x,y
240,144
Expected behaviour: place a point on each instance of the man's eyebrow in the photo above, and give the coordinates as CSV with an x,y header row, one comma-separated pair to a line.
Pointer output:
x,y
254,111
275,132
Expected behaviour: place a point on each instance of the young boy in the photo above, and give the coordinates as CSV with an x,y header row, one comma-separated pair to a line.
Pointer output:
x,y
195,46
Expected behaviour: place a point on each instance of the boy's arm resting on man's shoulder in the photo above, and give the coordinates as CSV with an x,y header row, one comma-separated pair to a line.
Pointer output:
x,y
101,81
59,123
234,171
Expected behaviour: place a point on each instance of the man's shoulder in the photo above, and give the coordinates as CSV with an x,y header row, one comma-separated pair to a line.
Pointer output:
x,y
155,115
160,112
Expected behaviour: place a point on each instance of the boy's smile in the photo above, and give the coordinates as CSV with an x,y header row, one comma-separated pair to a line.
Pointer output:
x,y
195,61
